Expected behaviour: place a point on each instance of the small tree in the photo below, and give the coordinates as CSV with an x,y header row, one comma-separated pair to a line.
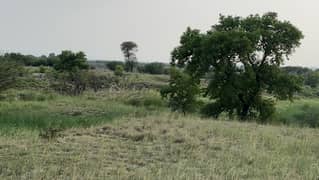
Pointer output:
x,y
181,92
129,48
71,74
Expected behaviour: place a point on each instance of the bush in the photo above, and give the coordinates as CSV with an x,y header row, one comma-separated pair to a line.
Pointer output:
x,y
70,83
149,100
309,116
312,79
95,81
266,109
154,68
302,114
27,96
140,68
42,69
112,65
119,70
32,96
9,74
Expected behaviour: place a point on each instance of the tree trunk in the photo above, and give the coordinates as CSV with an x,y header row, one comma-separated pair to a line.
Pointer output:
x,y
244,112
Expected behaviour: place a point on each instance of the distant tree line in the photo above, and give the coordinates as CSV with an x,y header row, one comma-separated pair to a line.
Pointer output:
x,y
69,73
30,60
310,76
130,64
150,68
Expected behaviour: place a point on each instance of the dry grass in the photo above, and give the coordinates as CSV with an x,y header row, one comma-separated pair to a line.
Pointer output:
x,y
166,147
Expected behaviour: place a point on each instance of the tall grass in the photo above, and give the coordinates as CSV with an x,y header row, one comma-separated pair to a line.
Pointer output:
x,y
169,146
64,112
301,112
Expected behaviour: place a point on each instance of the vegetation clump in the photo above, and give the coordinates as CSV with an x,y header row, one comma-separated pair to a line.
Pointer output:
x,y
9,74
119,70
111,65
155,68
71,73
181,92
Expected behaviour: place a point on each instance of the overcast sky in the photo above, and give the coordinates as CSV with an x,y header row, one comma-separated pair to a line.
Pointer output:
x,y
98,27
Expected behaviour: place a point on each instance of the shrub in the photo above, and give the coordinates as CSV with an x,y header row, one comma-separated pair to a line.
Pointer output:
x,y
309,116
266,109
154,68
70,83
42,69
140,68
119,70
149,100
302,114
32,96
29,96
9,73
181,92
112,65
95,81
312,79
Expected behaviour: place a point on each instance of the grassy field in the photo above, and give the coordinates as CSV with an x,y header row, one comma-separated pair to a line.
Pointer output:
x,y
131,134
169,146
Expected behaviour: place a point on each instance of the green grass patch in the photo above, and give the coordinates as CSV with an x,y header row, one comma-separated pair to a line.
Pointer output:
x,y
64,112
301,112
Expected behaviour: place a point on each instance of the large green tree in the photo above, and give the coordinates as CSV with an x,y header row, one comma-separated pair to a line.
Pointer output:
x,y
244,55
129,49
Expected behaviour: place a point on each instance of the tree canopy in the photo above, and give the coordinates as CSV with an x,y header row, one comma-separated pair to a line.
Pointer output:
x,y
71,75
30,60
70,61
244,55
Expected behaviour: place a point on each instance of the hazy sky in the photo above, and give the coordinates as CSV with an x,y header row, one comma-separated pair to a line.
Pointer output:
x,y
97,27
